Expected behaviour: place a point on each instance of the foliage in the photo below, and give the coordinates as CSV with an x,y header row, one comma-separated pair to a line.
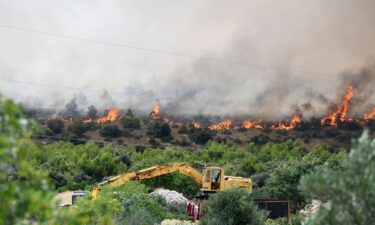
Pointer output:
x,y
110,130
347,192
79,128
161,130
25,193
80,165
200,136
233,206
131,122
56,126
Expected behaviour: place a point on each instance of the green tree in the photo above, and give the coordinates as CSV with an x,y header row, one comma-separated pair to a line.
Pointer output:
x,y
78,127
232,207
25,193
161,130
200,136
131,122
110,131
350,191
56,126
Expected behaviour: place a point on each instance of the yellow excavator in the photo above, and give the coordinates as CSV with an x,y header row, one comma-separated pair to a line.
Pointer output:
x,y
212,179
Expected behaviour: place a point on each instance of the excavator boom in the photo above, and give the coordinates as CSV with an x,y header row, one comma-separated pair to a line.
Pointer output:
x,y
155,171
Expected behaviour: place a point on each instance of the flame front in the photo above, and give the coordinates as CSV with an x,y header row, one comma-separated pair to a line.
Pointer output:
x,y
111,116
247,124
285,126
197,125
224,125
341,111
371,115
155,114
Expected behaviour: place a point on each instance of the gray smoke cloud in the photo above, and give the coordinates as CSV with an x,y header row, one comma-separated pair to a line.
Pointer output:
x,y
312,46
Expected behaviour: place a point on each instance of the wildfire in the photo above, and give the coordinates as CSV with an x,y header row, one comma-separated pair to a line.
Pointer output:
x,y
285,126
341,111
155,114
224,125
196,124
112,115
371,115
247,124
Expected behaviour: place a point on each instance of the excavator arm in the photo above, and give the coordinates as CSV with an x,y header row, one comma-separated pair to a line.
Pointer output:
x,y
155,171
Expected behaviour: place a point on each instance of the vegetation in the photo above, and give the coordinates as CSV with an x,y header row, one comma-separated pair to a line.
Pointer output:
x,y
347,192
25,193
31,173
231,207
131,122
161,130
110,131
56,126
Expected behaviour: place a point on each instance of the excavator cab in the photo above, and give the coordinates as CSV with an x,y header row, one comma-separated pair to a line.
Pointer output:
x,y
212,179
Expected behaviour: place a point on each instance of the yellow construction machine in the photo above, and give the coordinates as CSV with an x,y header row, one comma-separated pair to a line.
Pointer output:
x,y
212,179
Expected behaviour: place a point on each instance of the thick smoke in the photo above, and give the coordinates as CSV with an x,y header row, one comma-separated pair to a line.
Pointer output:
x,y
278,57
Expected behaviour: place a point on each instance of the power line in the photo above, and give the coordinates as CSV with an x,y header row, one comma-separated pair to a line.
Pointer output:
x,y
58,86
160,51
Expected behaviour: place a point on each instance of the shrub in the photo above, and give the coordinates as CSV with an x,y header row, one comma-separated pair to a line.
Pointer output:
x,y
183,130
110,131
200,136
78,128
25,193
232,207
131,122
161,130
349,191
56,126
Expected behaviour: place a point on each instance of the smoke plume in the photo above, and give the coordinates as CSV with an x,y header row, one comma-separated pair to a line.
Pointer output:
x,y
276,57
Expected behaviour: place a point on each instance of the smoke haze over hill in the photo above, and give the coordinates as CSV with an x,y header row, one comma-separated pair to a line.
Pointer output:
x,y
277,57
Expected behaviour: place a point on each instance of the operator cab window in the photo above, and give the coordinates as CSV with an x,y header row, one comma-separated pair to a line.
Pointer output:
x,y
207,176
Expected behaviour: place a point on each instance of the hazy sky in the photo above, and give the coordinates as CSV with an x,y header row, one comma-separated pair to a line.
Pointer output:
x,y
310,43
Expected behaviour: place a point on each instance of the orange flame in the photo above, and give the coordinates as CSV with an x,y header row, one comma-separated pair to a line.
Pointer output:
x,y
284,126
224,125
155,114
341,111
247,124
371,115
197,125
112,115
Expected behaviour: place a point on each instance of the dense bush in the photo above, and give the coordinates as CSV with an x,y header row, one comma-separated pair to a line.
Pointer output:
x,y
161,130
79,128
349,191
131,122
232,207
200,136
56,126
110,131
25,193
